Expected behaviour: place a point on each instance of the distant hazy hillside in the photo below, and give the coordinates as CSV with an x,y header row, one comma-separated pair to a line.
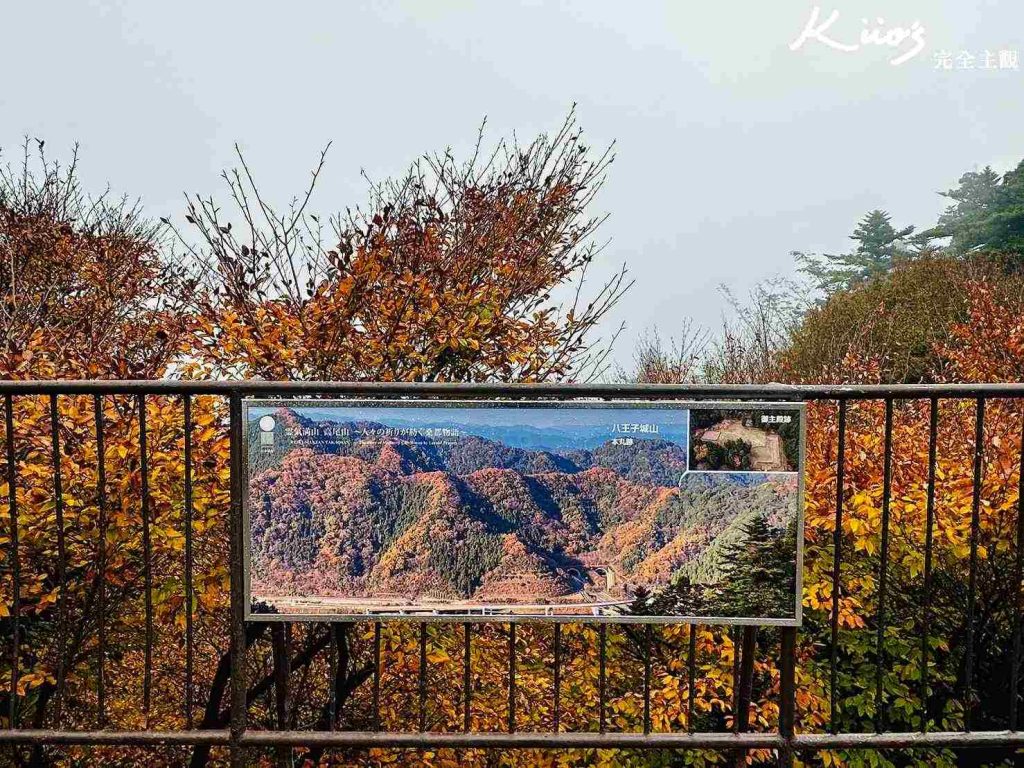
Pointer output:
x,y
470,517
650,461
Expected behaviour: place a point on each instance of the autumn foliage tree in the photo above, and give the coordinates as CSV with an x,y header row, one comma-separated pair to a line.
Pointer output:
x,y
458,271
925,627
88,294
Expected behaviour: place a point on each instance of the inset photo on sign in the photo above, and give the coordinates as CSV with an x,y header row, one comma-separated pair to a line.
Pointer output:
x,y
744,440
503,510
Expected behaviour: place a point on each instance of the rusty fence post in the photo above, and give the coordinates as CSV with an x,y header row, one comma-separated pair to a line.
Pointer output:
x,y
787,694
238,676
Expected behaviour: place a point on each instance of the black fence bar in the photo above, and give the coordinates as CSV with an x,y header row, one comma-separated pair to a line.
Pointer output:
x,y
62,554
883,568
15,554
280,639
691,676
787,695
147,559
557,708
189,587
929,536
422,678
332,663
648,643
744,685
602,676
837,553
467,677
101,558
238,642
748,648
1018,596
734,635
376,675
512,678
972,579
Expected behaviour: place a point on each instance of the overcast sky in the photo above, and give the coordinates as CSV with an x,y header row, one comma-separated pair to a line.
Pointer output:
x,y
732,148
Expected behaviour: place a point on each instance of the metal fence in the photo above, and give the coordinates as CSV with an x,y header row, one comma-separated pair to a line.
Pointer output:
x,y
237,736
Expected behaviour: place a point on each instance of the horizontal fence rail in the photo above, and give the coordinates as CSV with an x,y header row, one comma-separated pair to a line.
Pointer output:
x,y
224,723
793,392
723,742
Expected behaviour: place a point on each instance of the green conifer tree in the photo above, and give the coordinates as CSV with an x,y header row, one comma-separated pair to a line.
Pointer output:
x,y
757,571
987,213
879,246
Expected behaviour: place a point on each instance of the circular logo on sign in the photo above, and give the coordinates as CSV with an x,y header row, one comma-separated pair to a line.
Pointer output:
x,y
267,423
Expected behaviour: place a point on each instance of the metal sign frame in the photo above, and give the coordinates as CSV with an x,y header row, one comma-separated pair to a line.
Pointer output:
x,y
262,402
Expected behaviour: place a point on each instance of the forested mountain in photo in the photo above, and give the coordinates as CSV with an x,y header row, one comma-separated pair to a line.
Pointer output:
x,y
432,520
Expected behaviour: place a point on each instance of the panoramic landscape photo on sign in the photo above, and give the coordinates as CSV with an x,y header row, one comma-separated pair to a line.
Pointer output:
x,y
638,511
